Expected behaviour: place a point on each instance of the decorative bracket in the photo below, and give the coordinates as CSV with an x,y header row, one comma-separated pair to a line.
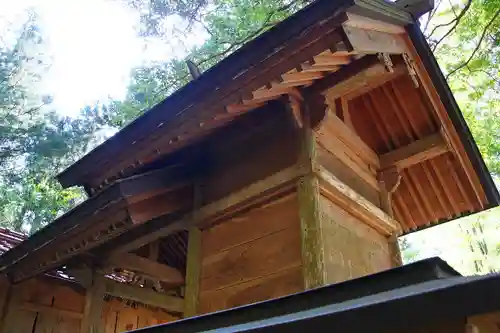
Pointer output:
x,y
385,58
390,178
410,65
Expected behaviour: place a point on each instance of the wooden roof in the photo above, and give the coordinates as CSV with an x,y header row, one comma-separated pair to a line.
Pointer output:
x,y
315,45
324,48
231,87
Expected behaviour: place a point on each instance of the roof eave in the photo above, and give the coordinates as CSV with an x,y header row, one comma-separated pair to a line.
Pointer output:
x,y
77,174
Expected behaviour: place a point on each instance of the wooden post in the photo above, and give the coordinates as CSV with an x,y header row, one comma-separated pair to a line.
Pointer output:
x,y
308,197
94,302
5,296
389,181
193,272
193,261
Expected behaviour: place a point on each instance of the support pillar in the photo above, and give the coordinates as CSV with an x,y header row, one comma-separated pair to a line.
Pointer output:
x,y
193,261
308,195
94,303
193,272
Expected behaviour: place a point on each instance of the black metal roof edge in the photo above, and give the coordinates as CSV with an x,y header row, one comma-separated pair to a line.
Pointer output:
x,y
225,70
409,307
432,67
412,307
417,272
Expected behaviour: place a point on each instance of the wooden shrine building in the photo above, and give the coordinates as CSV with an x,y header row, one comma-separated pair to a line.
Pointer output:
x,y
294,163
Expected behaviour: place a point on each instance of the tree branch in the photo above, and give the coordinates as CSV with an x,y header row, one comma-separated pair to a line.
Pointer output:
x,y
455,23
483,35
431,15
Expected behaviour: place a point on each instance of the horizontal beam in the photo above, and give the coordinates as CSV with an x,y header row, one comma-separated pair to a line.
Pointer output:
x,y
349,200
233,202
370,41
148,209
145,296
415,153
149,267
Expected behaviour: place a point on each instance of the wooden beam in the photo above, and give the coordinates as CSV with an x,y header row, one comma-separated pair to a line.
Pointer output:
x,y
357,21
301,77
354,141
331,59
341,194
246,196
149,267
159,205
158,228
145,296
371,41
365,72
416,152
94,303
318,67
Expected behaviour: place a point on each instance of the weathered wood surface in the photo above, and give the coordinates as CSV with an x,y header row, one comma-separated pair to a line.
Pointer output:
x,y
364,40
193,272
258,249
146,266
145,296
416,152
344,196
312,246
59,308
94,302
342,152
352,248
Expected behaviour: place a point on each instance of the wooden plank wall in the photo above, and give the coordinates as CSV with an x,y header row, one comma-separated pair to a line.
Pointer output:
x,y
120,318
484,323
252,257
45,305
268,150
352,248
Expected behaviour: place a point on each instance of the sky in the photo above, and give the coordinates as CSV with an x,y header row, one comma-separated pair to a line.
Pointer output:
x,y
92,46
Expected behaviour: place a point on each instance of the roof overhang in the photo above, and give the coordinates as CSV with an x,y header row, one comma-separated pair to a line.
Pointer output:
x,y
232,86
120,207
